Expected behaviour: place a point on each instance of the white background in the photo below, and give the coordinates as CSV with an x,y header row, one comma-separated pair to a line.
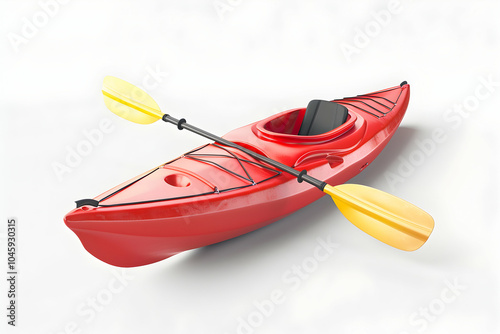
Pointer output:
x,y
221,70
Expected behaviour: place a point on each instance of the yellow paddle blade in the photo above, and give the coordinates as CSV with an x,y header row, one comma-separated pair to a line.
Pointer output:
x,y
386,217
129,101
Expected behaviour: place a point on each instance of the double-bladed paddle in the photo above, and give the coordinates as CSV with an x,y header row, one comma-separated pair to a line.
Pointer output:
x,y
386,217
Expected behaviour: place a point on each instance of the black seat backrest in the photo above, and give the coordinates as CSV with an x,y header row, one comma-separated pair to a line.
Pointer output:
x,y
322,116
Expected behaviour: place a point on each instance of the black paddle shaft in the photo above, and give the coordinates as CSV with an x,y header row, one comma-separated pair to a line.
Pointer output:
x,y
301,176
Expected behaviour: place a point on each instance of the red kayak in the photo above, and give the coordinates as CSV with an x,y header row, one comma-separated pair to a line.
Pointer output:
x,y
215,192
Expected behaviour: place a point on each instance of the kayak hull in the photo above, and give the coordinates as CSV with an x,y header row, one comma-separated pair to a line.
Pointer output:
x,y
134,225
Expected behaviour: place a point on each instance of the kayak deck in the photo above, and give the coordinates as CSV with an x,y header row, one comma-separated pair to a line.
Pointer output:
x,y
176,179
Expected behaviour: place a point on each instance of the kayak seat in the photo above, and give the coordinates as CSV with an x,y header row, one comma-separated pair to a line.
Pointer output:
x,y
322,116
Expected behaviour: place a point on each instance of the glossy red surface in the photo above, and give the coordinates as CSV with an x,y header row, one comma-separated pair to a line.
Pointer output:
x,y
216,193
